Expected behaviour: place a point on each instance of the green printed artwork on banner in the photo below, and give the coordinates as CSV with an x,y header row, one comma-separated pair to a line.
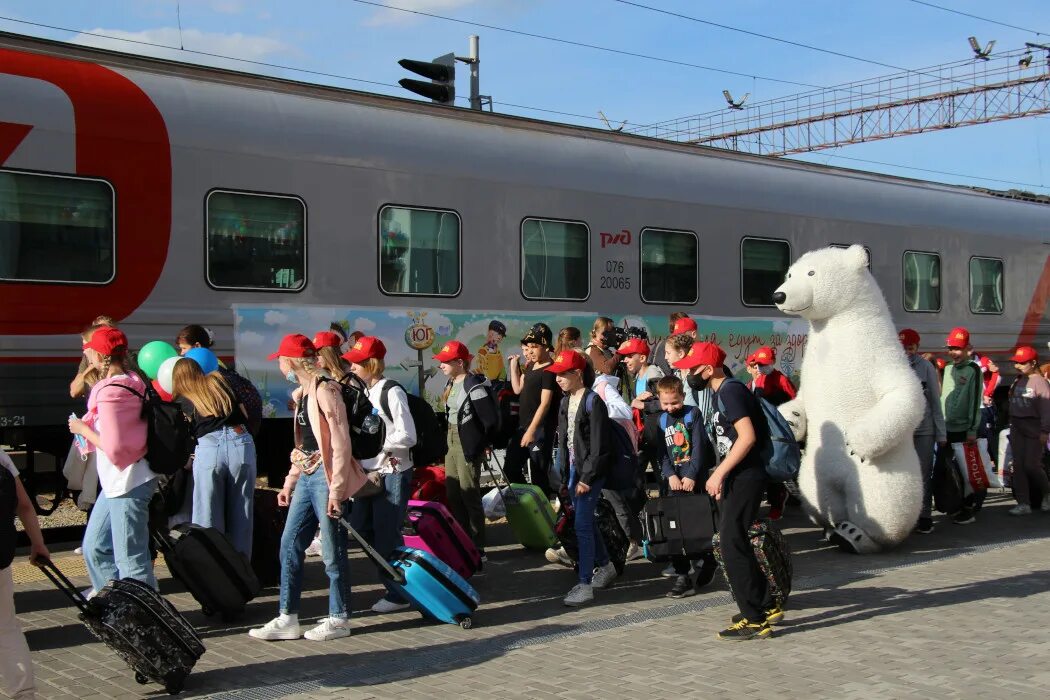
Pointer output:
x,y
413,336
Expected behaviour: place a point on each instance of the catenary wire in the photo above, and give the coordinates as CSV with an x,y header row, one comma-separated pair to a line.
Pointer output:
x,y
585,45
277,66
983,19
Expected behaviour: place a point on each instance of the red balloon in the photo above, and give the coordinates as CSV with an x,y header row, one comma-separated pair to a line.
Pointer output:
x,y
160,390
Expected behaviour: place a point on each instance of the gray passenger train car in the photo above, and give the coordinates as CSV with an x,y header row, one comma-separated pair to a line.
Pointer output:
x,y
164,194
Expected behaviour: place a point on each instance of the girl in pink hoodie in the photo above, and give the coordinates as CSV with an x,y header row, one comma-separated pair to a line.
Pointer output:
x,y
116,541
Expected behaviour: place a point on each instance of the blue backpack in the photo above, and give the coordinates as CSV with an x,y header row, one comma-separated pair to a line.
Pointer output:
x,y
624,470
782,457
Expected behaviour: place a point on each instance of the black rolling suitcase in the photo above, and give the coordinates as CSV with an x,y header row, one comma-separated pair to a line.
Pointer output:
x,y
681,524
616,542
138,624
219,577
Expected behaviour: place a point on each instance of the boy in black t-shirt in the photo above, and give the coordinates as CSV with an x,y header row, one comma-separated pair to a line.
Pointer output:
x,y
684,463
738,484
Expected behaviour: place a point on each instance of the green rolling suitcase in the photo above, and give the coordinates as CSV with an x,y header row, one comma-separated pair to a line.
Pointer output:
x,y
529,513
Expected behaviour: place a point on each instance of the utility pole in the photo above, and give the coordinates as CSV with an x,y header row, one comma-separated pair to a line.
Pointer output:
x,y
474,61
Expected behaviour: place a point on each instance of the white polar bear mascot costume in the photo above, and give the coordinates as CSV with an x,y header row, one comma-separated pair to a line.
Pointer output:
x,y
858,404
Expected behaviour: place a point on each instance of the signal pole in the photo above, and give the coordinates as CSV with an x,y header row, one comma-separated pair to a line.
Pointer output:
x,y
474,61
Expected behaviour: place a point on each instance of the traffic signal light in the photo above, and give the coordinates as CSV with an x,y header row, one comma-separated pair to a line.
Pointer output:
x,y
442,74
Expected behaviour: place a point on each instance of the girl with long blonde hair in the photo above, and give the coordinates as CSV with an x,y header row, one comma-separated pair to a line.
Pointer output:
x,y
224,463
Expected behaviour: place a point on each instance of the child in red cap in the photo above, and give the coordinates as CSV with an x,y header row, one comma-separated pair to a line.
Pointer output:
x,y
585,438
961,400
770,383
738,484
472,415
1029,431
322,477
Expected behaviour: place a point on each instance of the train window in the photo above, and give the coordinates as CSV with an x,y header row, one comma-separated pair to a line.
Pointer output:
x,y
256,241
555,260
669,266
763,264
419,251
56,229
986,285
922,281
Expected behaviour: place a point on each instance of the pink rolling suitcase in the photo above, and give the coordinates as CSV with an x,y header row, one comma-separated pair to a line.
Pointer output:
x,y
430,527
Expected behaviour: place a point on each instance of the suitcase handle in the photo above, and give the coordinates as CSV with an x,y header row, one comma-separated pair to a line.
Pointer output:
x,y
396,576
506,493
65,585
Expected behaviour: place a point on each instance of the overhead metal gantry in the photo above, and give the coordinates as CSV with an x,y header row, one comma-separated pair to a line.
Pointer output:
x,y
995,87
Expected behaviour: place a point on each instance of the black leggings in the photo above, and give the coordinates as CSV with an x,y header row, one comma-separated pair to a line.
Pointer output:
x,y
538,456
741,498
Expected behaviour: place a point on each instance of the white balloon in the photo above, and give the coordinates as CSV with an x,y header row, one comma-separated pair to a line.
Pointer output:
x,y
164,373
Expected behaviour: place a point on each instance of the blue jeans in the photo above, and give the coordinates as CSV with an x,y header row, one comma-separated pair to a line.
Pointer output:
x,y
379,519
308,509
116,539
588,539
224,485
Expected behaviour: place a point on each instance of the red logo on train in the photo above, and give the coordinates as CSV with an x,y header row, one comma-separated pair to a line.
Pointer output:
x,y
621,238
120,137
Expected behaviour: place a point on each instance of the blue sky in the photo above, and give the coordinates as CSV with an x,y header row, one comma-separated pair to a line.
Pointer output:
x,y
354,39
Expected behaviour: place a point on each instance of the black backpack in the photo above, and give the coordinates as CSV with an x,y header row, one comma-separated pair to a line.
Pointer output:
x,y
247,395
431,441
8,506
509,405
495,433
169,432
367,430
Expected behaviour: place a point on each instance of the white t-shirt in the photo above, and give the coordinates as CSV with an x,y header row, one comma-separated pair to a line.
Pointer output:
x,y
117,482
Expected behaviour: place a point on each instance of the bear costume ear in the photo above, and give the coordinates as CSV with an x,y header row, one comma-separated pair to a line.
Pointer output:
x,y
857,256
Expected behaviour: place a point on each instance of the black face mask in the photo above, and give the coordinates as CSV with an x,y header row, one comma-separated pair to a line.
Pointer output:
x,y
696,382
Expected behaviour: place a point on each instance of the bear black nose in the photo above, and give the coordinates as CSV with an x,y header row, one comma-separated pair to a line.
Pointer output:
x,y
779,297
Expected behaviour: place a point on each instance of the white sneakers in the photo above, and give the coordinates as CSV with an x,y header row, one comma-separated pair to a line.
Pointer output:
x,y
287,628
634,552
314,550
277,629
387,606
1021,509
603,576
581,594
558,556
330,628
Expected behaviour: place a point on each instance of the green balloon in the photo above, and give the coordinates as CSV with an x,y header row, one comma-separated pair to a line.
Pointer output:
x,y
153,354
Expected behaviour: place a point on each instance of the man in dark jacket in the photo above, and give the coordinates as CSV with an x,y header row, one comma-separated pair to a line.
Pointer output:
x,y
585,449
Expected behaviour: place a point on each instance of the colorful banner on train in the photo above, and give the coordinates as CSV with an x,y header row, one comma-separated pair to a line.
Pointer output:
x,y
413,336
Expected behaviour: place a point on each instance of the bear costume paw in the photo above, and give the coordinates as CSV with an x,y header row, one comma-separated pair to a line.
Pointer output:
x,y
863,443
852,539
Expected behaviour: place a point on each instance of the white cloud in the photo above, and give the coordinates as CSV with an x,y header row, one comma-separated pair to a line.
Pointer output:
x,y
390,16
163,42
250,338
275,318
364,324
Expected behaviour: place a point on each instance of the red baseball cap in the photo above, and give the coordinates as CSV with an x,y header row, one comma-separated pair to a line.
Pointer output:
x,y
940,362
367,348
106,339
327,339
566,361
453,350
765,355
294,345
684,325
633,346
907,336
1025,353
702,354
958,338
